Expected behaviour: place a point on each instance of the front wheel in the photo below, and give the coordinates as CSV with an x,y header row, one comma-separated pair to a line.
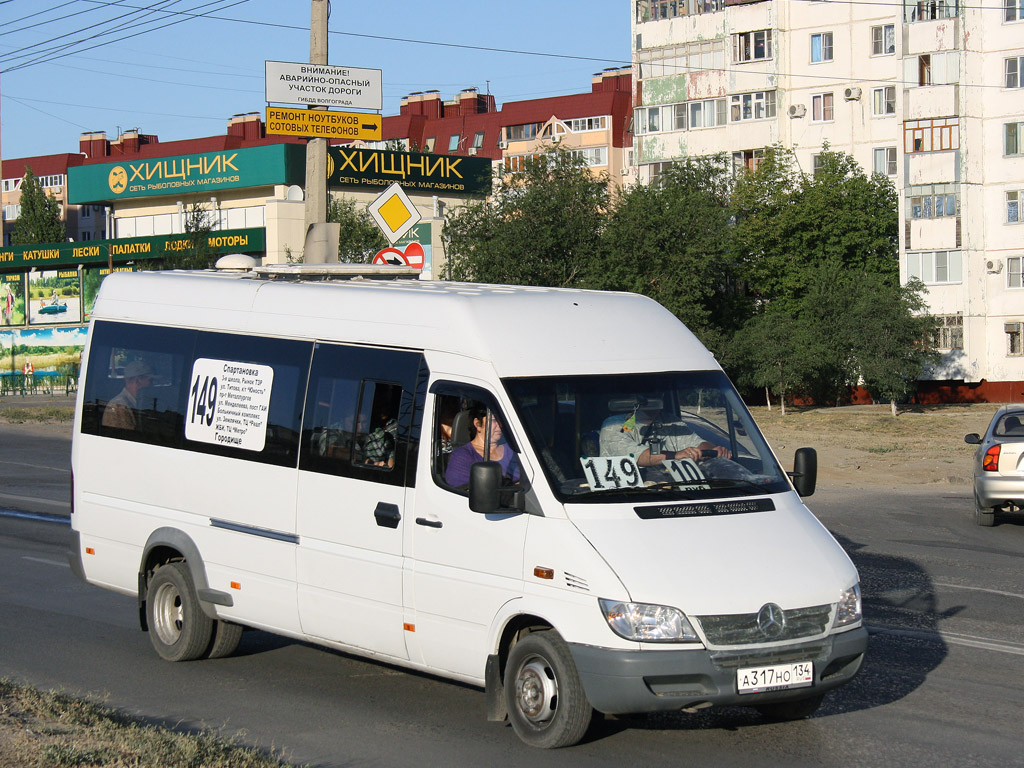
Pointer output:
x,y
543,693
178,628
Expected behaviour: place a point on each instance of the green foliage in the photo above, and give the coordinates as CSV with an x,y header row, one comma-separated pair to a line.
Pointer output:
x,y
542,226
40,219
360,238
670,241
198,225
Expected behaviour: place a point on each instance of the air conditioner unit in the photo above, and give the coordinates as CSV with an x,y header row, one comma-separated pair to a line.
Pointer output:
x,y
502,145
852,94
797,110
994,266
556,138
624,171
1011,327
471,151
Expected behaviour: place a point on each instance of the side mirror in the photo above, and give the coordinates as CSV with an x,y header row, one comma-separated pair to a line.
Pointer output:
x,y
805,471
973,439
484,487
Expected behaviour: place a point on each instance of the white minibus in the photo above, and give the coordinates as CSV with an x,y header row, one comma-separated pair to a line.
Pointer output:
x,y
556,495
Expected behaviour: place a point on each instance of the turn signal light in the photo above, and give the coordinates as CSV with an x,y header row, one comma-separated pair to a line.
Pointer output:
x,y
544,573
990,463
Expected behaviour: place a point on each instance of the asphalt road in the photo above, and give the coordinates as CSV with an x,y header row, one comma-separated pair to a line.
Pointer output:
x,y
943,683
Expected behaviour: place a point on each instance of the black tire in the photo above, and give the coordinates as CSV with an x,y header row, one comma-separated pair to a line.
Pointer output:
x,y
545,699
178,628
984,516
791,710
226,636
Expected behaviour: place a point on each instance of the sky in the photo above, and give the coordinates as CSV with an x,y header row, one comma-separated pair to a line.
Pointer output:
x,y
71,66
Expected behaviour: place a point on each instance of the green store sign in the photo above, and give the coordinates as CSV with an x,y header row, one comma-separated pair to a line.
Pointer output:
x,y
199,173
54,255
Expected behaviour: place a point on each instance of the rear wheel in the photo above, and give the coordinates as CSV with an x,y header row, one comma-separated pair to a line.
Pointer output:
x,y
791,710
178,628
543,693
984,516
226,636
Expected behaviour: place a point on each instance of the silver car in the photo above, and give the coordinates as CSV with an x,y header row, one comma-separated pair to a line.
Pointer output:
x,y
999,465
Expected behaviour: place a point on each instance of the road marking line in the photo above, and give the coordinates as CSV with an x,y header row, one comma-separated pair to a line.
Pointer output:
x,y
969,641
46,562
35,466
979,589
59,519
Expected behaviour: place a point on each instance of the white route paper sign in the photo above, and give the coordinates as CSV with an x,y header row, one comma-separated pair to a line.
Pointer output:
x,y
229,403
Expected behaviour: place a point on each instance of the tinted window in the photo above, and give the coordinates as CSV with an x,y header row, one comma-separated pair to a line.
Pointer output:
x,y
363,413
135,383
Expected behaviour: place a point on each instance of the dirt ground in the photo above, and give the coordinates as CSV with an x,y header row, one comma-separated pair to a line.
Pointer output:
x,y
865,445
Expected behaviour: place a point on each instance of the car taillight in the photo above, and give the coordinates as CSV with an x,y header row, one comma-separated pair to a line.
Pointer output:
x,y
991,461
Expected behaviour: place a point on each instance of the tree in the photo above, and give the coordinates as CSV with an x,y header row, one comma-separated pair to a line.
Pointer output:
x,y
670,241
360,238
40,217
769,353
193,251
542,226
894,344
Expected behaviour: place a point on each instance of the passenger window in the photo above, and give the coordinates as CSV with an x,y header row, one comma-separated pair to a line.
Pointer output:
x,y
476,432
363,413
136,381
244,397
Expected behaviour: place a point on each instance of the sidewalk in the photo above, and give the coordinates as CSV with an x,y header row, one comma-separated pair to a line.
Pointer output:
x,y
58,399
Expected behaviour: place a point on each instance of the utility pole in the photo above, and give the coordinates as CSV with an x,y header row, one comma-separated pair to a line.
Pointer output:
x,y
316,150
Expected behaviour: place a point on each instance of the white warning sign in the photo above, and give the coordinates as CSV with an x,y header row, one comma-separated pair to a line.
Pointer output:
x,y
228,403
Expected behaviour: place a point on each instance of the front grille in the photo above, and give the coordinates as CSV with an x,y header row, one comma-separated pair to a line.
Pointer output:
x,y
741,628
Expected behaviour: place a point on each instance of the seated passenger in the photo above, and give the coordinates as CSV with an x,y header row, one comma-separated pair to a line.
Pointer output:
x,y
121,411
650,442
477,450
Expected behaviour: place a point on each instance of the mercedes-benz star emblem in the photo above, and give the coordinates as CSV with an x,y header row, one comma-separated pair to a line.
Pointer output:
x,y
771,620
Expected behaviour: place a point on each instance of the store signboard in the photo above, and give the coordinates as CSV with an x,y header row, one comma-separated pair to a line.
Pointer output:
x,y
198,173
367,169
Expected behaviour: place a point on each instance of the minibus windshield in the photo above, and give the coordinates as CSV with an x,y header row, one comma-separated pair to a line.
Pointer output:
x,y
645,436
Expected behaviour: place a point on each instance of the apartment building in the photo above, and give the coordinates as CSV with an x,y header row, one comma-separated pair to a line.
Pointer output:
x,y
930,93
81,222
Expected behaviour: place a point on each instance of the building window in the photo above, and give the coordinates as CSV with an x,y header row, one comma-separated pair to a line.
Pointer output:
x,y
885,100
655,10
817,164
478,140
1012,133
821,107
1014,278
85,235
592,156
929,10
678,59
581,124
1013,69
707,113
821,47
752,46
935,267
932,201
428,145
453,142
885,161
11,185
1013,200
752,106
949,332
522,132
748,160
1013,10
12,212
938,135
85,212
883,40
924,69
1013,339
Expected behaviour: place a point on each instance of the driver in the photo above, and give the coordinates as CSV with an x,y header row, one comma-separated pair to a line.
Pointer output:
x,y
650,441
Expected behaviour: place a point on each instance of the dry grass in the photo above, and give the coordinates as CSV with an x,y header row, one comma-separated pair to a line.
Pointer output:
x,y
46,414
51,730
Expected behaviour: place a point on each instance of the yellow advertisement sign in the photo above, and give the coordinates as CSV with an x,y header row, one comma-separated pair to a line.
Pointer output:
x,y
318,123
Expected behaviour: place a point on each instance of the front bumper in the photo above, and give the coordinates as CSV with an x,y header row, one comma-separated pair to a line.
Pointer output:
x,y
624,682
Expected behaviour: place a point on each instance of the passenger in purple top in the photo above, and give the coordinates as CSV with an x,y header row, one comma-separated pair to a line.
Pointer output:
x,y
463,457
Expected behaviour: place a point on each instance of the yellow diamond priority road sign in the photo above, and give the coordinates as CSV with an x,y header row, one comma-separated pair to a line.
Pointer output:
x,y
394,212
319,123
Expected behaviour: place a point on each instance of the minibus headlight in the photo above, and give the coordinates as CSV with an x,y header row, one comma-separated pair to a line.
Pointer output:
x,y
848,609
648,623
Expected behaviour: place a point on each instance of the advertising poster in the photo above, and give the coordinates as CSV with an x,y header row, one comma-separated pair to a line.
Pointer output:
x,y
54,296
40,359
91,279
12,299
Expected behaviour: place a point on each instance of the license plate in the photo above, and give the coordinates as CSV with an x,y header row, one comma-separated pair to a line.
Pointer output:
x,y
777,677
